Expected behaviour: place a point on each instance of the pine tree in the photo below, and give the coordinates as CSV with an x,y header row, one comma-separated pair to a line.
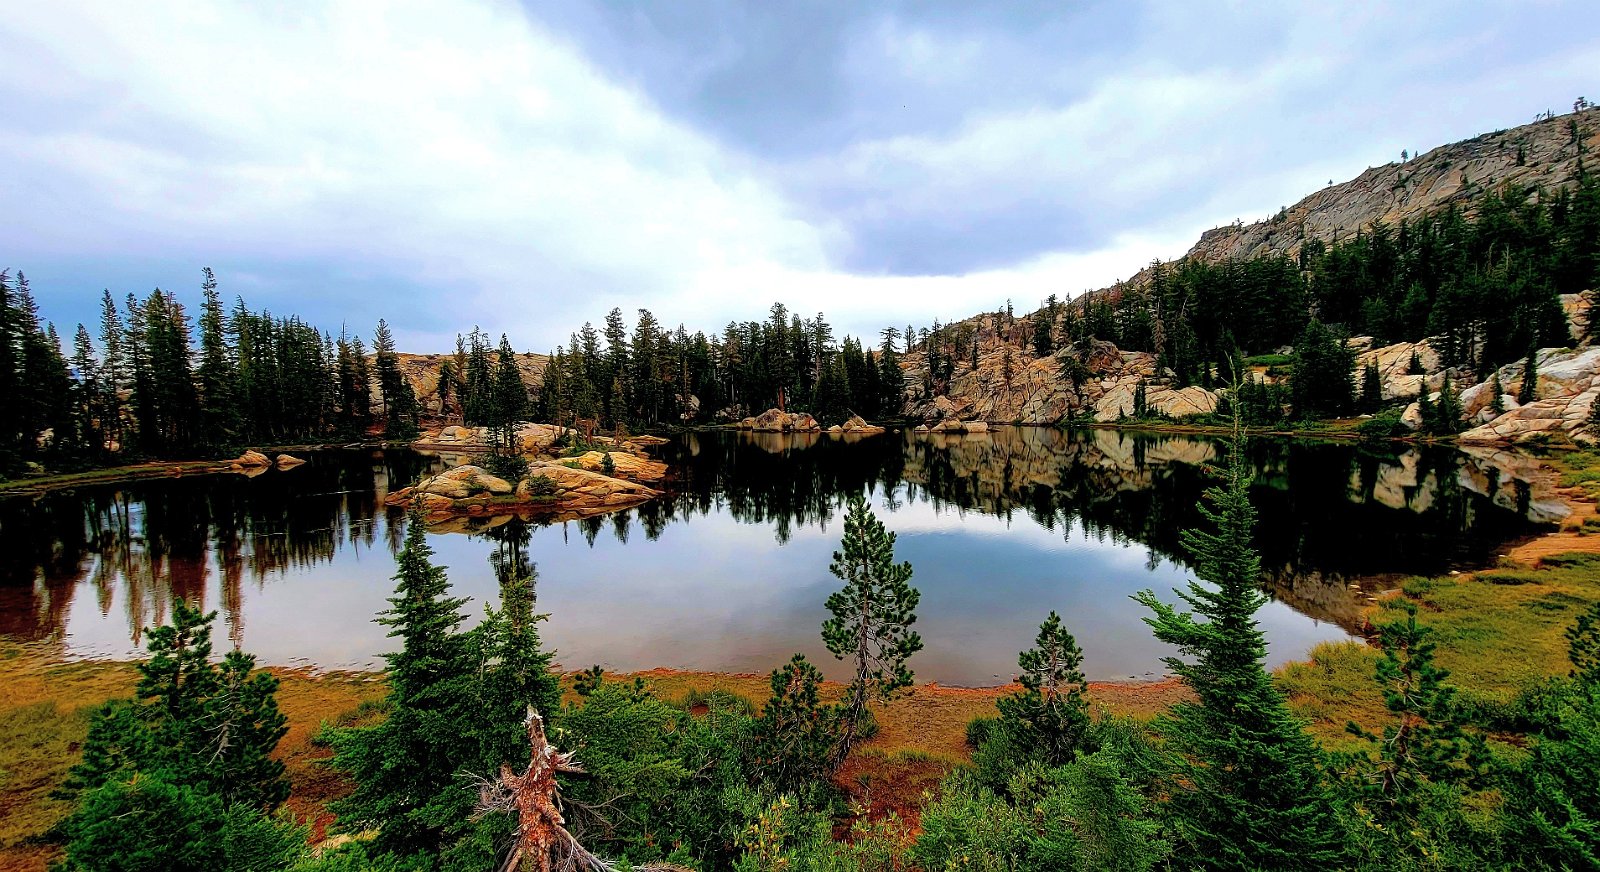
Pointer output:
x,y
1497,400
399,402
205,725
12,443
830,400
221,422
406,768
516,670
1043,326
1529,390
86,395
891,381
796,732
1390,784
1553,796
872,617
510,401
1249,794
1049,719
1320,376
1371,389
1447,414
113,372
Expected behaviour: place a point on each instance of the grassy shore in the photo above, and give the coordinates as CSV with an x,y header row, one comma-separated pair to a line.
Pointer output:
x,y
1497,631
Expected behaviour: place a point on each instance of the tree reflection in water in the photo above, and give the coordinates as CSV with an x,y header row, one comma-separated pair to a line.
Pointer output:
x,y
1329,513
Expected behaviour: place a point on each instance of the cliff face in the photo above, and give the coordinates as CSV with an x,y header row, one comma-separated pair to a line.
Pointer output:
x,y
422,370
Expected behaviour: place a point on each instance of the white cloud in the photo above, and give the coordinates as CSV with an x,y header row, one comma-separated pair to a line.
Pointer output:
x,y
463,156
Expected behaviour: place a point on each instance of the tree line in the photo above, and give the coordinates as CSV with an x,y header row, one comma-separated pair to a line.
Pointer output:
x,y
653,376
1485,282
142,386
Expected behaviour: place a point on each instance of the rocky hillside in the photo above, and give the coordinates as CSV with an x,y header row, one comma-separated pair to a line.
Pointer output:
x,y
1009,384
1539,154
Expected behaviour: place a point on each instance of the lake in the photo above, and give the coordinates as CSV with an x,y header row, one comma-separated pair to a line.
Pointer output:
x,y
729,571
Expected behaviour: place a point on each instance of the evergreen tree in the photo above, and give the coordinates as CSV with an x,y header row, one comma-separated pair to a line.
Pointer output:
x,y
1392,786
1529,390
182,776
12,441
830,401
1043,326
1249,794
516,672
1371,389
220,422
872,617
87,393
406,768
1552,796
1445,418
1320,376
1497,400
399,402
1049,719
796,732
891,381
113,372
510,399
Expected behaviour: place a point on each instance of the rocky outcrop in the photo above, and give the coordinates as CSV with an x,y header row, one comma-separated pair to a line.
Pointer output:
x,y
422,371
624,465
774,421
1010,385
462,482
288,461
1568,386
251,460
552,491
1394,367
858,426
1538,154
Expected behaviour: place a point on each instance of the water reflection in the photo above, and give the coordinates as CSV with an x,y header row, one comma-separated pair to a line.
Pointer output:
x,y
729,572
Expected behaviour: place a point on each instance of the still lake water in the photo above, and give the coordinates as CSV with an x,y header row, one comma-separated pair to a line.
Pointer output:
x,y
729,572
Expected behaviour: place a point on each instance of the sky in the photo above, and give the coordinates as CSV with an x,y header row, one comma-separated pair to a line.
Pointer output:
x,y
525,168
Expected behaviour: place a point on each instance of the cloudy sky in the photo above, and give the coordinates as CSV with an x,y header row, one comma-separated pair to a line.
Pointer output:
x,y
528,167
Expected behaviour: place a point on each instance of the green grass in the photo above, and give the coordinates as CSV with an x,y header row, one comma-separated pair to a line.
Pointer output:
x,y
38,743
1498,632
1334,687
1269,360
1580,468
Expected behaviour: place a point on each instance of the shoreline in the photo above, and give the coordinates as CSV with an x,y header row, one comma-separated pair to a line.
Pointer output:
x,y
144,470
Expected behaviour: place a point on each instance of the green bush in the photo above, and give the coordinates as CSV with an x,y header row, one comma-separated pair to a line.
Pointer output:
x,y
1384,425
511,467
979,729
147,822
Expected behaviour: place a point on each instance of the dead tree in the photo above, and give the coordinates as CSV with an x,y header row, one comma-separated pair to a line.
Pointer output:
x,y
542,841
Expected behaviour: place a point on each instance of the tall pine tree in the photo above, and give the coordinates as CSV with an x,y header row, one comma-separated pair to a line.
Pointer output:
x,y
1250,793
